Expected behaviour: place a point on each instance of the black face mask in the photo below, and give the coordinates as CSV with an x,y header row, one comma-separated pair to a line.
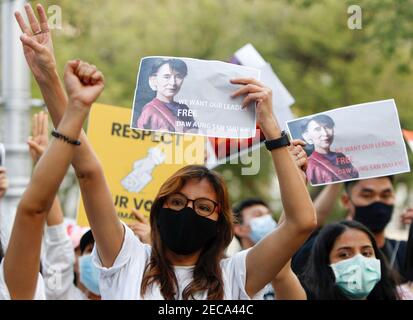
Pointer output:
x,y
374,216
185,232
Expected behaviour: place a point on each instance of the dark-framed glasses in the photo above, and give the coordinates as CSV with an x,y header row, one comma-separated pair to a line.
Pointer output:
x,y
202,206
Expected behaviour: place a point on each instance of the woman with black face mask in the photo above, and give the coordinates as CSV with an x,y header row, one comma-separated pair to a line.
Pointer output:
x,y
190,219
191,227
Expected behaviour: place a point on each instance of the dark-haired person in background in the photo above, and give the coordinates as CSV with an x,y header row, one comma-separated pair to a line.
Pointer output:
x,y
253,222
166,79
325,165
370,202
346,264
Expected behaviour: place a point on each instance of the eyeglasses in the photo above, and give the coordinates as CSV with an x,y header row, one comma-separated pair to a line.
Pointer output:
x,y
202,206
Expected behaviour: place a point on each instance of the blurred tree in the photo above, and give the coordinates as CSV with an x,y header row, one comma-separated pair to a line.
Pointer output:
x,y
322,62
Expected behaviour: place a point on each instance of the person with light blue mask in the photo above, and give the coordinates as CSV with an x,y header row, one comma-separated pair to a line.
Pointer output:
x,y
346,264
88,274
254,221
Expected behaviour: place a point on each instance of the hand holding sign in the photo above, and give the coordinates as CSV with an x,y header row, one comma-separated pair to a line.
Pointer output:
x,y
39,139
191,96
354,142
298,153
407,216
37,42
83,83
256,91
4,182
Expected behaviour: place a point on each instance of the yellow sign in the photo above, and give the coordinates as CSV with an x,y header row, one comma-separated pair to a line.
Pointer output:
x,y
135,162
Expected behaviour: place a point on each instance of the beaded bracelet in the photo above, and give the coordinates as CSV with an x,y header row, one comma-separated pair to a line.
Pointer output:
x,y
65,138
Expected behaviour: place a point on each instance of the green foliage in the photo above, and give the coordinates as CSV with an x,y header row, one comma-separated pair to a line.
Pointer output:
x,y
321,61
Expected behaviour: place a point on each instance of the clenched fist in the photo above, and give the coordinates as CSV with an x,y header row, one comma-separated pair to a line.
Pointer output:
x,y
83,82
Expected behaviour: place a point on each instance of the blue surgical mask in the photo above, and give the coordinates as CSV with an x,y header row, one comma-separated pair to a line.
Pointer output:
x,y
356,277
89,274
261,226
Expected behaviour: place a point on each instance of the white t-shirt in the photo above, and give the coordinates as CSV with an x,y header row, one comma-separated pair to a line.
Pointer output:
x,y
58,265
123,280
4,291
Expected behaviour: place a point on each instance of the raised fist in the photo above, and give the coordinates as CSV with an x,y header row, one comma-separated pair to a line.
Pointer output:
x,y
83,82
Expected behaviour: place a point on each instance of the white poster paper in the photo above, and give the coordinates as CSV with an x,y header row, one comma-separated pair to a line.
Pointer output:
x,y
356,142
185,95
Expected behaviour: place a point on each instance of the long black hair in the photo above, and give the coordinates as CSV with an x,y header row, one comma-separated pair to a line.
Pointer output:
x,y
318,278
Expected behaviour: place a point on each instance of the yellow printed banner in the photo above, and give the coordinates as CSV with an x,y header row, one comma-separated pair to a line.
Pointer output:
x,y
135,162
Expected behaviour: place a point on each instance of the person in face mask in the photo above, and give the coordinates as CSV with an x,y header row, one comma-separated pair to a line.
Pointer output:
x,y
371,202
87,275
254,221
191,221
191,227
346,264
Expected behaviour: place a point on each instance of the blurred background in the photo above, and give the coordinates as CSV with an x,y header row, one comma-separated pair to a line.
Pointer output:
x,y
322,62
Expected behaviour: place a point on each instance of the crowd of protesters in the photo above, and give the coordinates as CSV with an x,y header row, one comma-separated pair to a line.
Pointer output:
x,y
181,250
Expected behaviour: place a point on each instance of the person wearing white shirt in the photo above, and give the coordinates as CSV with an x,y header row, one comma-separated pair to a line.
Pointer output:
x,y
189,236
68,277
84,84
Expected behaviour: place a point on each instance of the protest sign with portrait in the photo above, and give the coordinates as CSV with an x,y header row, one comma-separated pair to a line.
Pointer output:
x,y
224,150
185,95
355,142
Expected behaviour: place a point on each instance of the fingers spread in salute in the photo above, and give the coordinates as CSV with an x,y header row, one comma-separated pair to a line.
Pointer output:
x,y
37,42
39,139
34,24
24,28
43,18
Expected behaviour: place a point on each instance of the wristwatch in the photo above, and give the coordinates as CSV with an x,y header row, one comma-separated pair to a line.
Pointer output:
x,y
282,141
